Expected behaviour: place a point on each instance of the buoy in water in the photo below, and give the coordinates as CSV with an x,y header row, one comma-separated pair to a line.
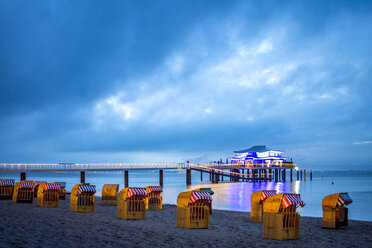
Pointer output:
x,y
332,182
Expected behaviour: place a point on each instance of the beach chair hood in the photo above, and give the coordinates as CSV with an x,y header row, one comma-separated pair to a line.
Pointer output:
x,y
191,196
273,203
336,200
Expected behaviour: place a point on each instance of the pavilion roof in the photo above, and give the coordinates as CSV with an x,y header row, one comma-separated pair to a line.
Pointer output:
x,y
261,148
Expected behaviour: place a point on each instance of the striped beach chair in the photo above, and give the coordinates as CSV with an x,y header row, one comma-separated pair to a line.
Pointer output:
x,y
131,204
335,214
257,200
82,198
48,195
193,210
154,201
23,192
280,219
6,189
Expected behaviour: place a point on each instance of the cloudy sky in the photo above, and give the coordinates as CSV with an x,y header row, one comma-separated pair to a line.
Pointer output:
x,y
140,81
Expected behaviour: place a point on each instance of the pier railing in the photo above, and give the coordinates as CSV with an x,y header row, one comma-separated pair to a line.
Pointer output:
x,y
26,167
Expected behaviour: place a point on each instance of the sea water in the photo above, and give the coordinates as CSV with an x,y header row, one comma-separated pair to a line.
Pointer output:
x,y
234,196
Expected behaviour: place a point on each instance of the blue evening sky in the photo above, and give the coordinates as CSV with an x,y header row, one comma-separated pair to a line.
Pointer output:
x,y
153,81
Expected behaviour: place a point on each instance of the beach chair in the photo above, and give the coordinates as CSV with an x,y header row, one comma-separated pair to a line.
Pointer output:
x,y
335,214
131,204
109,194
6,189
154,201
62,191
23,192
36,186
192,209
48,195
257,200
82,198
280,220
210,192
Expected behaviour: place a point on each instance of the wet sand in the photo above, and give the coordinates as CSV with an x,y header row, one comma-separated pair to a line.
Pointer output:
x,y
25,225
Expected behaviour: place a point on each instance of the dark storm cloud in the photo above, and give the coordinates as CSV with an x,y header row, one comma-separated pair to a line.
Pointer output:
x,y
93,81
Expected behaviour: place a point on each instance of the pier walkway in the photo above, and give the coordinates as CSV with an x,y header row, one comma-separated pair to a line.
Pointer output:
x,y
217,172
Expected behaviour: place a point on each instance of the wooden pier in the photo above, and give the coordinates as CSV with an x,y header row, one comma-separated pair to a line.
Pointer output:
x,y
217,172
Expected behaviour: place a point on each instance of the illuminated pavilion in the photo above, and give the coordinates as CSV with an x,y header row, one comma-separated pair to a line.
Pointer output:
x,y
259,156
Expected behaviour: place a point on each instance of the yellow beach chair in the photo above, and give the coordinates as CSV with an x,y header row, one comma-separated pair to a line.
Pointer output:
x,y
48,195
23,192
192,209
281,221
82,198
335,214
257,200
154,201
6,189
109,194
131,204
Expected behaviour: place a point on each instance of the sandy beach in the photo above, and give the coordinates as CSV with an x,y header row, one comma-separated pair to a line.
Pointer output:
x,y
25,225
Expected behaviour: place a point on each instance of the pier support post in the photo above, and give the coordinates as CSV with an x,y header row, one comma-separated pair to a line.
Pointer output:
x,y
222,176
270,174
201,176
253,175
311,175
259,175
23,176
265,175
210,175
248,176
161,178
304,175
284,175
298,175
82,176
126,179
188,176
291,176
301,174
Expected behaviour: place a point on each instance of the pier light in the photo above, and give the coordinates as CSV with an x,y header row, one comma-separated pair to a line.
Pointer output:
x,y
296,168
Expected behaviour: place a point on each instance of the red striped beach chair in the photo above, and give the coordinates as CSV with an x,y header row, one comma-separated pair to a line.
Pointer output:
x,y
193,210
131,204
154,201
6,189
281,221
23,192
48,195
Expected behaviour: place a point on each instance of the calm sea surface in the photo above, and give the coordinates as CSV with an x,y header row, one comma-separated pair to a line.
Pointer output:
x,y
235,196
